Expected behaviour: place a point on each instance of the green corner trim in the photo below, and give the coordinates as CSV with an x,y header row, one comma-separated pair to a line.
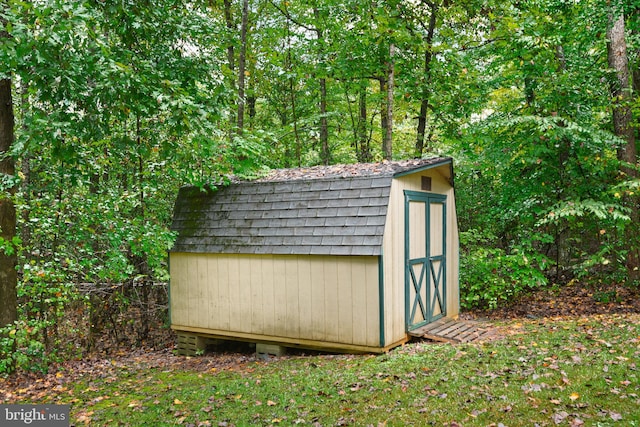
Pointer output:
x,y
381,302
169,287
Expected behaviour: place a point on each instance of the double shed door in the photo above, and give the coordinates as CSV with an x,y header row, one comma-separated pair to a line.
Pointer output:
x,y
425,258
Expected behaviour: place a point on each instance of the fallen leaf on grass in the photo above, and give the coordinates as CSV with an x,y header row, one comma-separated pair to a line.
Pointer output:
x,y
574,396
85,417
475,413
559,417
615,416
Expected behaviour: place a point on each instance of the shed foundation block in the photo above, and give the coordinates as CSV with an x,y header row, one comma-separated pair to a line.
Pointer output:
x,y
193,345
265,351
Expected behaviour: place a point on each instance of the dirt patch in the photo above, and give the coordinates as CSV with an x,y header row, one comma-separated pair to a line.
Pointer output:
x,y
23,387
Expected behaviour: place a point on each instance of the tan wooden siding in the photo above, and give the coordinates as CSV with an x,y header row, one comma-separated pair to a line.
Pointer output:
x,y
393,249
332,299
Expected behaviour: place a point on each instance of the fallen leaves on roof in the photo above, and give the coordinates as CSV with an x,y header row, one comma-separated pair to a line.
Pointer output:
x,y
347,170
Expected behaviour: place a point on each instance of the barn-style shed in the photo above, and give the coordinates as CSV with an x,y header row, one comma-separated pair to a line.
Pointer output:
x,y
348,258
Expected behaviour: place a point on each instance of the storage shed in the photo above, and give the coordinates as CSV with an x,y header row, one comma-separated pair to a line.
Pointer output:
x,y
347,258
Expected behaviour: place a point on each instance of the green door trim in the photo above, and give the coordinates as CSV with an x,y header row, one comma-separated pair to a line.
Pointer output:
x,y
433,269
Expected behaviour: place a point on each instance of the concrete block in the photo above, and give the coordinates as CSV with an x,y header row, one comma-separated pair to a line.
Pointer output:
x,y
265,351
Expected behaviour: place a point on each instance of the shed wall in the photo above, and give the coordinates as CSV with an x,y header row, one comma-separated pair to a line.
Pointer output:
x,y
310,299
393,249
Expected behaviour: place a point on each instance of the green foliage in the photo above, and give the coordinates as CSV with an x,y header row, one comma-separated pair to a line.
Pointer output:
x,y
606,297
490,276
604,266
565,210
11,246
113,102
22,348
45,295
557,179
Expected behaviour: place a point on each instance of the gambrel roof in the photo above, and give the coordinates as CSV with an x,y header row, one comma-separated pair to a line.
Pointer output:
x,y
334,210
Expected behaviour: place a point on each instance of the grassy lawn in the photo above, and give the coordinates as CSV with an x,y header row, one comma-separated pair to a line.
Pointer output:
x,y
546,372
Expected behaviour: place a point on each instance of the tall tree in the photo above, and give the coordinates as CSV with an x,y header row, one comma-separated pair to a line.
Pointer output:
x,y
618,59
242,61
362,136
325,153
387,141
621,90
312,20
426,92
8,259
8,274
231,57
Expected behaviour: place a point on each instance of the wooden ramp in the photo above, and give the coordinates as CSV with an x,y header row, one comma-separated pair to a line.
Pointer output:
x,y
452,331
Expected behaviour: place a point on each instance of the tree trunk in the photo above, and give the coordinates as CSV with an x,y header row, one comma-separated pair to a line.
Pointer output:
x,y
231,30
251,95
635,68
8,259
364,153
622,124
384,111
294,112
324,126
25,166
426,91
620,90
228,18
561,58
325,154
387,144
242,65
422,127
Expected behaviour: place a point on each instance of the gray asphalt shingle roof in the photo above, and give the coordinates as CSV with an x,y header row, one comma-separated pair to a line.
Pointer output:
x,y
339,210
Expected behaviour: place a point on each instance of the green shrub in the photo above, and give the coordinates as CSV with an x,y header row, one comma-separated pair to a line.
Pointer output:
x,y
34,340
490,276
22,348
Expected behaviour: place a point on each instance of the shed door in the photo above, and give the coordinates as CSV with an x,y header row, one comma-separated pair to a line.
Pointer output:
x,y
425,261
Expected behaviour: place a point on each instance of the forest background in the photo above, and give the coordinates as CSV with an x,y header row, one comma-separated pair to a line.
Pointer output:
x,y
107,107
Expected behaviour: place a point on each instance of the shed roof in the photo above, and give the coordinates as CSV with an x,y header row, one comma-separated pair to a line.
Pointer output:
x,y
334,210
